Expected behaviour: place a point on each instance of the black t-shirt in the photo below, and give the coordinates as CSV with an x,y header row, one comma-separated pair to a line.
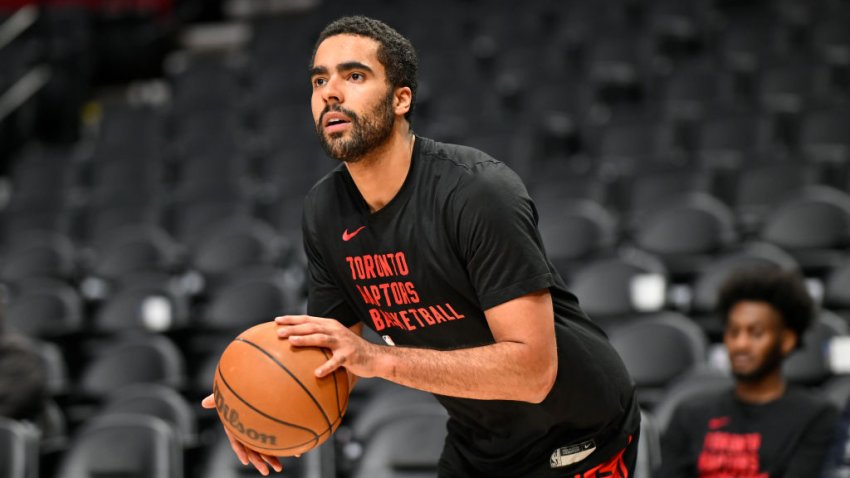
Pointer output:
x,y
458,238
719,436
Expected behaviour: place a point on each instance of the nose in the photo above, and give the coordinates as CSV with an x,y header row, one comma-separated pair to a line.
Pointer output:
x,y
738,342
331,92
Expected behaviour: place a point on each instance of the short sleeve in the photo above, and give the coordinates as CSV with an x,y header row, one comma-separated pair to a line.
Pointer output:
x,y
324,297
496,224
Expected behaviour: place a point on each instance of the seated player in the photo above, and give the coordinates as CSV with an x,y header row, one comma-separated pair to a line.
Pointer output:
x,y
763,427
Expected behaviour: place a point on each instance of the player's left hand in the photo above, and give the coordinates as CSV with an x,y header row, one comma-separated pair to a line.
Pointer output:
x,y
349,349
262,462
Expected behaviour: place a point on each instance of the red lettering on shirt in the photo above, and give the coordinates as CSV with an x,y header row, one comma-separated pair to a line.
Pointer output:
x,y
415,314
383,266
377,321
438,317
389,299
401,263
374,266
383,293
411,292
364,293
368,266
454,312
727,454
427,316
403,315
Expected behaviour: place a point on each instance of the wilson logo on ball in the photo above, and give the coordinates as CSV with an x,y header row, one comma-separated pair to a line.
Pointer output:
x,y
231,417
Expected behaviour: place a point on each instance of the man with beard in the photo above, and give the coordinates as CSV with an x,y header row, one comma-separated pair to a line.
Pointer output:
x,y
763,427
435,247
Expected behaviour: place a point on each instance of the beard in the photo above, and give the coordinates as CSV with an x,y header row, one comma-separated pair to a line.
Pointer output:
x,y
368,132
771,363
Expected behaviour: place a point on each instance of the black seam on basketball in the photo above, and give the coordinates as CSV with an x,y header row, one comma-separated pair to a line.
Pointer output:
x,y
336,385
315,435
303,387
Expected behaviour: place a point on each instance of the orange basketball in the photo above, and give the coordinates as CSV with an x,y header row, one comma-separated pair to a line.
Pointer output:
x,y
268,396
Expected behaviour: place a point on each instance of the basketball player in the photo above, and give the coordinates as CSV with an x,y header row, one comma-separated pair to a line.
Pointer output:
x,y
435,247
764,427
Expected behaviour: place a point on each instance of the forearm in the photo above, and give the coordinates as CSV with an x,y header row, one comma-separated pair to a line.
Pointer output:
x,y
500,371
520,365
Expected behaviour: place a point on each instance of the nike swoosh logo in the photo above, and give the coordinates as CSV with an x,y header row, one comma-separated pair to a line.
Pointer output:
x,y
719,422
347,236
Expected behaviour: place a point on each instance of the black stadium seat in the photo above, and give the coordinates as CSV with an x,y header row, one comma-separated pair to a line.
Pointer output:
x,y
246,298
837,290
687,234
823,134
153,302
133,249
659,349
158,401
814,226
407,447
760,187
616,288
575,231
45,308
649,446
124,445
18,449
129,360
808,365
40,254
837,390
732,140
238,242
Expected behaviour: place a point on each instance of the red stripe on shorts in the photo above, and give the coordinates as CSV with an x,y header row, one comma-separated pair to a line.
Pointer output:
x,y
613,468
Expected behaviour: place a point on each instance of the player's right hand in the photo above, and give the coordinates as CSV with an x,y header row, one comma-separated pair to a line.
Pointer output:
x,y
246,455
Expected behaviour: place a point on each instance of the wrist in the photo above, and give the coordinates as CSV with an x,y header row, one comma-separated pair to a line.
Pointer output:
x,y
383,362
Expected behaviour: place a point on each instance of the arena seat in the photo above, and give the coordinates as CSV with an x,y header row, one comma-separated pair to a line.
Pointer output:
x,y
124,445
18,449
45,308
659,349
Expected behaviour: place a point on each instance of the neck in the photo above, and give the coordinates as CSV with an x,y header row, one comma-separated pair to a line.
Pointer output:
x,y
380,175
765,390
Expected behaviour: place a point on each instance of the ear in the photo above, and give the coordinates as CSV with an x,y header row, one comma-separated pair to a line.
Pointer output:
x,y
789,341
402,100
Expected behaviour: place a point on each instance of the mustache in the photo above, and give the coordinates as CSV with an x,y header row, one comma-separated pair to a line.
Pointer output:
x,y
337,109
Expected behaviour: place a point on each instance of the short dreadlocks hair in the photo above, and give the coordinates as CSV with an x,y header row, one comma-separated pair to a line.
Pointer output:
x,y
395,51
783,290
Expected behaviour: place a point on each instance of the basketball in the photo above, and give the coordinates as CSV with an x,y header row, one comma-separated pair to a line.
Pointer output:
x,y
268,396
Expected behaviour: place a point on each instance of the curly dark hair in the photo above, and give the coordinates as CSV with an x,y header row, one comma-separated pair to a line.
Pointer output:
x,y
783,290
395,52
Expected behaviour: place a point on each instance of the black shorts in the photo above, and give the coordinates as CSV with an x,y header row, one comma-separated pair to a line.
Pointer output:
x,y
620,465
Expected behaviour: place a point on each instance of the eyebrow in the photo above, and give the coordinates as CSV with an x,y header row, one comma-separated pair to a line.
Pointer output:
x,y
347,66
